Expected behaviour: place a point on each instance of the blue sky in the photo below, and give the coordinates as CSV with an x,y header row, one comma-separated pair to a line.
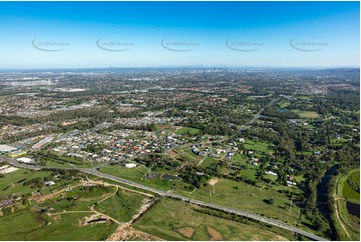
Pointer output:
x,y
146,34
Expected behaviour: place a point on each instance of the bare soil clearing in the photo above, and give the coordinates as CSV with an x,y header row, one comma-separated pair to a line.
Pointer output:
x,y
214,234
92,219
186,232
126,232
213,181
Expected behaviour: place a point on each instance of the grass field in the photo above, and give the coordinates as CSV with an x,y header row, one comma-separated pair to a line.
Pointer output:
x,y
137,174
85,198
208,161
350,185
189,157
256,146
247,197
249,173
270,177
159,183
28,225
56,164
307,114
163,126
122,206
13,182
168,218
58,160
188,131
238,159
58,217
134,174
350,223
65,226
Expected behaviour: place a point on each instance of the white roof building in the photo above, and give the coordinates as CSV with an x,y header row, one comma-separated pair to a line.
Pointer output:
x,y
7,148
291,183
271,173
241,140
131,165
49,183
7,169
25,160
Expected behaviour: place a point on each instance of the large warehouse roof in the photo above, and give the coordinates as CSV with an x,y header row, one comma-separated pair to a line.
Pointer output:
x,y
7,148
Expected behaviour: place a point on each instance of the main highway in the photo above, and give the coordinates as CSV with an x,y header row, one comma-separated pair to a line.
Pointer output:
x,y
243,213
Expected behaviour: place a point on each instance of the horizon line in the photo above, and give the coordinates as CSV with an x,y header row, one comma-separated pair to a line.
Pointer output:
x,y
182,67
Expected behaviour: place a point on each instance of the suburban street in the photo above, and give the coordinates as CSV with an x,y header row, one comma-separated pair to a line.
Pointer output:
x,y
94,172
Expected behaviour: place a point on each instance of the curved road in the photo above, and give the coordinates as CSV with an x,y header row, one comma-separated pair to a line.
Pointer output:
x,y
94,172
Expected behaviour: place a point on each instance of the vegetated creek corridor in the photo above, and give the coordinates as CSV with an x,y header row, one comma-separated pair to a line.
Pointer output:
x,y
322,205
243,213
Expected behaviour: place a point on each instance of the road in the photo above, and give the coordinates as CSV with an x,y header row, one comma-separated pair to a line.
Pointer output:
x,y
169,194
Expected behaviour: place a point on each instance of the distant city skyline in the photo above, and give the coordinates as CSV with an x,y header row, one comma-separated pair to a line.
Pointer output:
x,y
161,34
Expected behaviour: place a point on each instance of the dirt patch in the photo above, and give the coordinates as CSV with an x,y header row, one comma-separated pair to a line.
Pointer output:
x,y
273,237
255,238
36,197
280,238
213,181
186,232
172,153
126,232
69,122
54,217
93,219
165,127
214,234
146,204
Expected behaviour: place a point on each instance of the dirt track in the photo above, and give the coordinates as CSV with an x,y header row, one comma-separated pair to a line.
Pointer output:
x,y
338,216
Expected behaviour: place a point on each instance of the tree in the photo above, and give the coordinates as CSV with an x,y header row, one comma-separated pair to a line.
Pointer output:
x,y
318,223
